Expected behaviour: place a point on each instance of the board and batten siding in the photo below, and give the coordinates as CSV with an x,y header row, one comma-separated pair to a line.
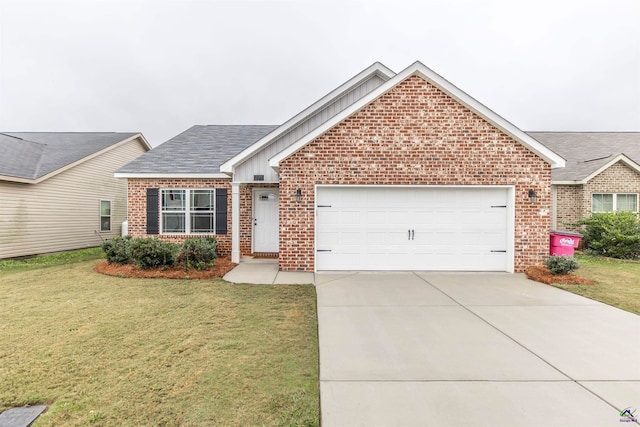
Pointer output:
x,y
258,164
63,212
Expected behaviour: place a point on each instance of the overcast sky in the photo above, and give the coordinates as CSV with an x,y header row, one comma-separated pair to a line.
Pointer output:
x,y
160,66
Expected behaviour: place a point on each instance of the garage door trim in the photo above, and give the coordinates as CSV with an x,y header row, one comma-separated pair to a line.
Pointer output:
x,y
510,210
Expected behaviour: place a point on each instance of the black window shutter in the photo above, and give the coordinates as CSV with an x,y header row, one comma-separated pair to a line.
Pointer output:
x,y
153,223
221,211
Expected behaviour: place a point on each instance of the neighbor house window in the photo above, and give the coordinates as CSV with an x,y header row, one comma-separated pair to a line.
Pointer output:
x,y
105,215
612,202
187,211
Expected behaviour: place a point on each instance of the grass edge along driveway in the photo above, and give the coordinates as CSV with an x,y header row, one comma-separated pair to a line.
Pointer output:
x,y
101,350
617,282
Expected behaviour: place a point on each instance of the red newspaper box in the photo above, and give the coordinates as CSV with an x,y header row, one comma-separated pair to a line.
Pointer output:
x,y
563,242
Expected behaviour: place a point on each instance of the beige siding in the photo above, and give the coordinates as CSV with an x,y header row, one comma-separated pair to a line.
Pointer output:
x,y
63,212
258,164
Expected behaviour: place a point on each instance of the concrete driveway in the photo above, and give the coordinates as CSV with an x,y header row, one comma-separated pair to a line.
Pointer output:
x,y
485,349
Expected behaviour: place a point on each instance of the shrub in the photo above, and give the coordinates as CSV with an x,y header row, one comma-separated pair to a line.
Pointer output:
x,y
561,264
153,252
118,250
616,235
198,253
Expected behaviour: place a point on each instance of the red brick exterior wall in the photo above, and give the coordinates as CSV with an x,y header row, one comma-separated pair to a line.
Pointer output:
x,y
574,201
414,134
137,207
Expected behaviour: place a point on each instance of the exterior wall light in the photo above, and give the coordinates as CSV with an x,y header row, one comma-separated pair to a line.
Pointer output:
x,y
533,196
298,195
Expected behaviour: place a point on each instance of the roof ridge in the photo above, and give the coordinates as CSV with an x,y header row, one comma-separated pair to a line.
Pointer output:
x,y
595,159
36,171
12,136
22,139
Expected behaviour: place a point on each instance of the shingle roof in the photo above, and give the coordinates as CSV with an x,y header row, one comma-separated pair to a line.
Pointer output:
x,y
32,155
198,150
586,152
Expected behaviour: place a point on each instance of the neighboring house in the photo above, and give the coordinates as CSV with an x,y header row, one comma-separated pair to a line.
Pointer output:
x,y
387,172
602,174
58,189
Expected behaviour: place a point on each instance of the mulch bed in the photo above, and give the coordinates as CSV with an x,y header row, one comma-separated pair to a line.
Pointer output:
x,y
542,274
221,267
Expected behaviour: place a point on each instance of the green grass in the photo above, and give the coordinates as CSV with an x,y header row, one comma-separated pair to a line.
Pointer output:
x,y
101,350
62,258
617,282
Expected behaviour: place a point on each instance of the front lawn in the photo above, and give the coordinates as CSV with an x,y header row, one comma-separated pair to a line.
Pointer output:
x,y
617,282
14,265
100,350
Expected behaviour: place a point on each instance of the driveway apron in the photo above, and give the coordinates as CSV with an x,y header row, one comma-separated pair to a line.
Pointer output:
x,y
485,349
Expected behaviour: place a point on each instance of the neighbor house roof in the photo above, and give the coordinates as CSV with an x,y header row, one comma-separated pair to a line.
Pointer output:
x,y
197,152
34,156
419,69
589,153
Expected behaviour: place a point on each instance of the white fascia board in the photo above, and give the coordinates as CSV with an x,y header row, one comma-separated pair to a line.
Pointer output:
x,y
17,179
144,141
376,68
566,183
173,175
432,77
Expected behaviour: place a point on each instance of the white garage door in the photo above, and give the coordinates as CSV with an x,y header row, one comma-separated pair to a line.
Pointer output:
x,y
412,228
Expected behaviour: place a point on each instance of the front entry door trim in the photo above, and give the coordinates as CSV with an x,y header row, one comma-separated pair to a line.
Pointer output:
x,y
265,220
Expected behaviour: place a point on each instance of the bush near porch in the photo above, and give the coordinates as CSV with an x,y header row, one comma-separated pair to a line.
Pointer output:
x,y
612,234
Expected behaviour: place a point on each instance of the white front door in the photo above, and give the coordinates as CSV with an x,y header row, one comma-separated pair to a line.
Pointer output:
x,y
412,228
265,220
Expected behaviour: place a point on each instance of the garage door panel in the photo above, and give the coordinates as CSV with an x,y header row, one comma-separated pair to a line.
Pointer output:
x,y
404,228
374,239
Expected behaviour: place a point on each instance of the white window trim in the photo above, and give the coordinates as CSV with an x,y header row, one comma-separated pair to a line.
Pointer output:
x,y
102,216
615,201
187,212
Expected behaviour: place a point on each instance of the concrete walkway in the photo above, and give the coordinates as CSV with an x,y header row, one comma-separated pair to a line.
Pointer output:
x,y
264,271
472,349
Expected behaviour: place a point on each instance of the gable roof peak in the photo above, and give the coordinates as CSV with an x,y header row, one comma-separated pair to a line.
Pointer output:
x,y
32,157
418,68
375,69
588,152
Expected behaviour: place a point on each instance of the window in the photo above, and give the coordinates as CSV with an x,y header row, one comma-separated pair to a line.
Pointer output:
x,y
187,211
602,203
105,215
627,202
611,202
